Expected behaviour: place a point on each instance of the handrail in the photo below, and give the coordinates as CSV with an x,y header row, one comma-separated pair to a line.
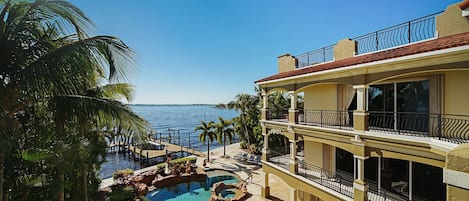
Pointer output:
x,y
328,118
327,178
408,32
446,127
276,158
317,56
419,29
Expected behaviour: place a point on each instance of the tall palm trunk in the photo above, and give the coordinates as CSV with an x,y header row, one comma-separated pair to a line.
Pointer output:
x,y
224,145
208,151
84,175
60,131
84,183
61,179
1,175
246,133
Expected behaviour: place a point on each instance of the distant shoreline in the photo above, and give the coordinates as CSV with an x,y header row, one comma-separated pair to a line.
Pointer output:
x,y
172,104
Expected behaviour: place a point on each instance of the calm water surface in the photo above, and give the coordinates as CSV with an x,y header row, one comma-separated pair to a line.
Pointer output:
x,y
164,117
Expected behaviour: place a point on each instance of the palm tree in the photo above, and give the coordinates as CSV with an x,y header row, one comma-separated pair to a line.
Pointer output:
x,y
224,129
48,60
249,113
207,134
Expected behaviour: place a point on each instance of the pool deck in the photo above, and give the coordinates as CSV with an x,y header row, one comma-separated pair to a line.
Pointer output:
x,y
279,190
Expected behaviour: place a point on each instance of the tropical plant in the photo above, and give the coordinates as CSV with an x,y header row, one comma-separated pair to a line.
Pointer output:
x,y
207,134
53,110
224,129
247,106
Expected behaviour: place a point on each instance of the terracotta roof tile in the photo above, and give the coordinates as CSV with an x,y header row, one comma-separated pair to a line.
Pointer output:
x,y
427,46
463,5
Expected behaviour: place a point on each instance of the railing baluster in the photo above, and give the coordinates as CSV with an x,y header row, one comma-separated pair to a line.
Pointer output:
x,y
408,32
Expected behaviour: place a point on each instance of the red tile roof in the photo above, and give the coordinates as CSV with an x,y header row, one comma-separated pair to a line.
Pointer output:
x,y
463,5
427,46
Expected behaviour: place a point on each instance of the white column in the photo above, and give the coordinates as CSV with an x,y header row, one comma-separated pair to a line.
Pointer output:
x,y
292,151
359,167
293,100
264,99
265,149
354,168
410,180
293,194
362,97
379,173
265,106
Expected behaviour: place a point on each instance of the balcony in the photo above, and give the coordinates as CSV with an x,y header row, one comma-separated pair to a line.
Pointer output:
x,y
416,30
278,115
342,120
338,181
444,127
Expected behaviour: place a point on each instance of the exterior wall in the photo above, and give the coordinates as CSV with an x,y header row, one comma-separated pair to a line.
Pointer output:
x,y
345,48
321,97
456,173
304,196
451,22
456,92
313,153
286,63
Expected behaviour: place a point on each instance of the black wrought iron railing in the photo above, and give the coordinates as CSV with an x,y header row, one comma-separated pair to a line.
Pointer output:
x,y
327,118
326,178
446,127
279,159
277,115
321,55
408,32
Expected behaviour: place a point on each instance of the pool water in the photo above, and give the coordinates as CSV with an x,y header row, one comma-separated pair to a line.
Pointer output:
x,y
193,191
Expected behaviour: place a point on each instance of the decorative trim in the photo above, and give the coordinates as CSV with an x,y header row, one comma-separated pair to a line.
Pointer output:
x,y
358,186
456,178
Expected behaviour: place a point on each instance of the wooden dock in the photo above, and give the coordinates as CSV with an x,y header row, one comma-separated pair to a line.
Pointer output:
x,y
145,155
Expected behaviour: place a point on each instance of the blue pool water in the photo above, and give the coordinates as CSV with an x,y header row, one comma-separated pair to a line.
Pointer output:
x,y
192,191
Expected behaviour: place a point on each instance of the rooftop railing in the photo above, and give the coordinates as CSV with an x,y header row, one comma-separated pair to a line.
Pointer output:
x,y
321,55
408,32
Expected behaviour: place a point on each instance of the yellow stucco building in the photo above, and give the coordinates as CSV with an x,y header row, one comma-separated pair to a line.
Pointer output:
x,y
385,116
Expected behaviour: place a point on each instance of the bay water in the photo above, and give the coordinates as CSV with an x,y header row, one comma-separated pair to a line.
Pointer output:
x,y
173,117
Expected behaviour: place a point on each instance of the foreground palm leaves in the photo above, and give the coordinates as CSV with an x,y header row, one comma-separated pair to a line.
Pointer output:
x,y
59,91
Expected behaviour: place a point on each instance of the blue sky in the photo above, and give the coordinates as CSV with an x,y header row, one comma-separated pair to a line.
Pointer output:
x,y
207,51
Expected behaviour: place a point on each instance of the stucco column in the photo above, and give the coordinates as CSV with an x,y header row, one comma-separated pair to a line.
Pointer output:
x,y
360,116
293,111
456,173
265,105
293,162
265,149
265,190
360,188
293,194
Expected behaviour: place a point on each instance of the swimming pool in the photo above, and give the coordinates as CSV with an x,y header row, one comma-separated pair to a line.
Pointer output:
x,y
195,191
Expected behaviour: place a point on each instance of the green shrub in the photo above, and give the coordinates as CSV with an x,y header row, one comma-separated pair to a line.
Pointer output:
x,y
178,161
122,173
243,145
